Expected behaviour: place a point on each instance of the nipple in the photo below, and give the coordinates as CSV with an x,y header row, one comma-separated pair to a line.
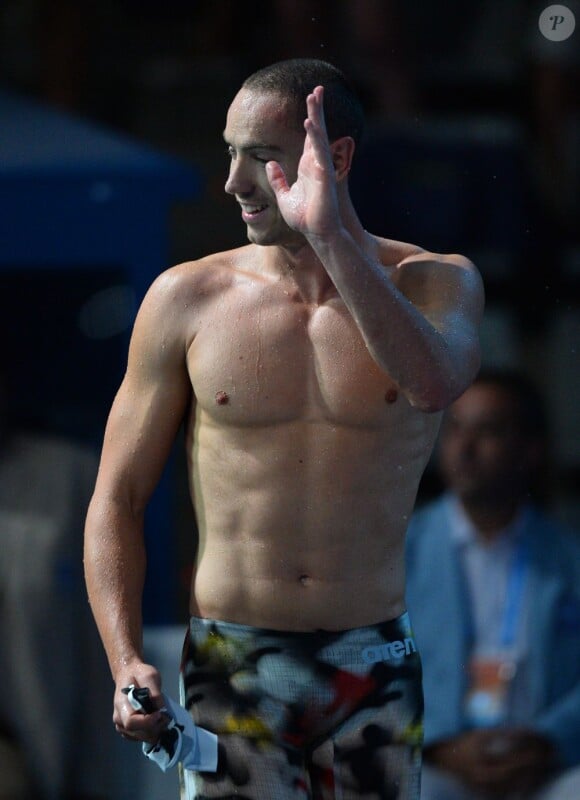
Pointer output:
x,y
391,396
222,398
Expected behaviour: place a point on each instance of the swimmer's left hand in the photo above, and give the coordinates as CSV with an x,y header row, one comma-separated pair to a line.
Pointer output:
x,y
310,205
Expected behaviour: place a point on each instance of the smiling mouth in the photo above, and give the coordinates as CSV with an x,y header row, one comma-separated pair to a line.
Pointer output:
x,y
250,212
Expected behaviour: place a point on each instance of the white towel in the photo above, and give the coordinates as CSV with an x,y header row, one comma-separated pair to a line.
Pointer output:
x,y
182,740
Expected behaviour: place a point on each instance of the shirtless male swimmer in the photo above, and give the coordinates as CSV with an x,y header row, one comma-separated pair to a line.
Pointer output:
x,y
310,366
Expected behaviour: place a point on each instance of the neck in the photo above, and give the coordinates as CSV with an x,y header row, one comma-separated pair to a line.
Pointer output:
x,y
300,265
490,519
301,271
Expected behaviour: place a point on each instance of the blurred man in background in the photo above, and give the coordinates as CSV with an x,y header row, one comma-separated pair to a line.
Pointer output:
x,y
494,595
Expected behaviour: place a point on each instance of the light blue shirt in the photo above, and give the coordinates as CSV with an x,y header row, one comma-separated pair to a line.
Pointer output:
x,y
488,568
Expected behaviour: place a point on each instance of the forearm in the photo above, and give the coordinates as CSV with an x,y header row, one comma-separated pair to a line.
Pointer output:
x,y
115,566
401,340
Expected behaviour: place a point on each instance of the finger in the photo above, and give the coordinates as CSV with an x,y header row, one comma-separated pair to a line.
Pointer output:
x,y
124,735
137,720
143,728
123,711
316,135
276,178
315,108
131,721
315,123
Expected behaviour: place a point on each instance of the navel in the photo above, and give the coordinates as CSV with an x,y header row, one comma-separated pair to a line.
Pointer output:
x,y
305,579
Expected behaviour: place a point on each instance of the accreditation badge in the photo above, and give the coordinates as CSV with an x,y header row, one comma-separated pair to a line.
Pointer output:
x,y
486,701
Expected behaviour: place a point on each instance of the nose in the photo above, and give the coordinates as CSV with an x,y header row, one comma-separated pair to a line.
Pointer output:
x,y
239,178
467,444
459,440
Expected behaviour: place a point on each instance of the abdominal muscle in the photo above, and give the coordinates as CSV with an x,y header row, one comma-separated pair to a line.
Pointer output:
x,y
301,525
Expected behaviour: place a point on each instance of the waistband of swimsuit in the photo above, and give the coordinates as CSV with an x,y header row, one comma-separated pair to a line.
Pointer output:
x,y
391,628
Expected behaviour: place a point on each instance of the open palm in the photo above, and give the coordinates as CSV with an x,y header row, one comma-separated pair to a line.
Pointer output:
x,y
310,205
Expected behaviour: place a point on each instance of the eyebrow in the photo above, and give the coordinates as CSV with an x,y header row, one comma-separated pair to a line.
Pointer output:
x,y
255,146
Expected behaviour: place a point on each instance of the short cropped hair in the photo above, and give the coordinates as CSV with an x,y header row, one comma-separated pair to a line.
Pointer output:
x,y
296,78
530,416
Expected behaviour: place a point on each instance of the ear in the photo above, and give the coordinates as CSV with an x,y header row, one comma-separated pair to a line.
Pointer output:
x,y
342,151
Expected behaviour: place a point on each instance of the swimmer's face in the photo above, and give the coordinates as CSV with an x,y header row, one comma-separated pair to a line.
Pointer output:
x,y
262,127
484,455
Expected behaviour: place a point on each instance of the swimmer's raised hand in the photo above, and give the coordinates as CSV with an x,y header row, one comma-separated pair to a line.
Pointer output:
x,y
311,205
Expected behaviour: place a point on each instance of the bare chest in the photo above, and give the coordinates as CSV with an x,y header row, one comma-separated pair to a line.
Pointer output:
x,y
261,358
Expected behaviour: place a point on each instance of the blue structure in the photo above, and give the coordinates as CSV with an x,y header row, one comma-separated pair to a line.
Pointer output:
x,y
79,201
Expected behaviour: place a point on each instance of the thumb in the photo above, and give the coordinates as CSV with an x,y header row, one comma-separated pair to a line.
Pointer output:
x,y
276,178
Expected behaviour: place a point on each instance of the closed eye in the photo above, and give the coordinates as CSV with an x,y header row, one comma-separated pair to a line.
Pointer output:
x,y
232,154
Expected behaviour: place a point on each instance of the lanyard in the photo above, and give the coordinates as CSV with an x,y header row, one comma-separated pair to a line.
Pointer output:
x,y
514,594
513,602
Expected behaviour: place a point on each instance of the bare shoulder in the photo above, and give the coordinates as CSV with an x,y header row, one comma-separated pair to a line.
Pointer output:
x,y
170,314
431,279
440,281
391,252
196,280
184,289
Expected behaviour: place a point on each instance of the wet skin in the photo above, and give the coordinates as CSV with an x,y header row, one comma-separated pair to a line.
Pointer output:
x,y
310,367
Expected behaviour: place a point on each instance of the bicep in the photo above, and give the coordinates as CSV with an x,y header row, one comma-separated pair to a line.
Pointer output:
x,y
146,413
139,435
455,308
448,291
